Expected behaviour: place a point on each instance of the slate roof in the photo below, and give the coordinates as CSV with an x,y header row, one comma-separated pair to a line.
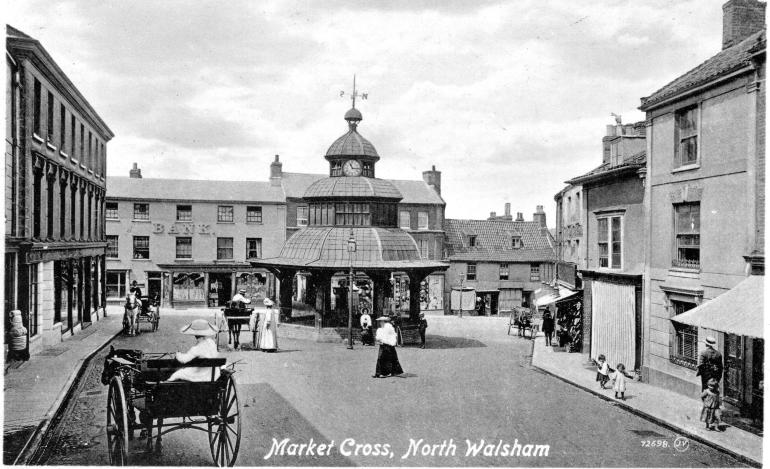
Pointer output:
x,y
637,160
727,61
493,241
192,190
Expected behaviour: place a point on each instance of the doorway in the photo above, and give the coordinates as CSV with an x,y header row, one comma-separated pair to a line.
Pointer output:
x,y
220,289
733,381
154,285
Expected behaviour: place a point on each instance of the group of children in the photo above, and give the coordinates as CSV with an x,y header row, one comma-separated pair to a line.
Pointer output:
x,y
709,396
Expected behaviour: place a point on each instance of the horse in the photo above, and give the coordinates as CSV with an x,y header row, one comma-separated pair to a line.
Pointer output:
x,y
131,309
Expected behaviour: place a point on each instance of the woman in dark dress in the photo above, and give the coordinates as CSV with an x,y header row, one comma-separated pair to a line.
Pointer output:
x,y
548,327
387,359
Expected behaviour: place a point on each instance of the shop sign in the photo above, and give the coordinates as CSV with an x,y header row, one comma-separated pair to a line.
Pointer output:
x,y
181,228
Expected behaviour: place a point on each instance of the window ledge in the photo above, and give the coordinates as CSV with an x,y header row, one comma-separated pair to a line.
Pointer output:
x,y
251,222
112,219
63,154
683,362
142,259
90,171
37,137
688,167
225,223
82,166
50,146
137,220
74,160
683,272
184,259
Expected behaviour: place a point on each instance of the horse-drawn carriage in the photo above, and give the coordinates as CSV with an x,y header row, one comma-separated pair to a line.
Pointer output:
x,y
236,314
139,310
138,382
521,319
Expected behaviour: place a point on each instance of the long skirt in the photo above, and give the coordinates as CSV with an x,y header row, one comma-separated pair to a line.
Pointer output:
x,y
387,361
709,415
367,338
268,331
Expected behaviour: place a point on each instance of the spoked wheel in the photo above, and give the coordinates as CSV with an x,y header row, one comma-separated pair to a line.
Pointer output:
x,y
225,428
117,423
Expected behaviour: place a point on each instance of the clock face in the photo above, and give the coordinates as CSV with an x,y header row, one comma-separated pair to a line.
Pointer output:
x,y
351,168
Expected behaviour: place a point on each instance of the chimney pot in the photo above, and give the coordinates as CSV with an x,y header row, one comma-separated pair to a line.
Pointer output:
x,y
433,179
276,172
740,19
135,172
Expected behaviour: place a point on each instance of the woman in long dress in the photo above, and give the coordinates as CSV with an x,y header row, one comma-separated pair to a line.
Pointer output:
x,y
268,328
387,359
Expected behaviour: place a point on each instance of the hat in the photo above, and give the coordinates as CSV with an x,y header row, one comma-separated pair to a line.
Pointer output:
x,y
383,318
242,290
711,382
422,314
199,327
711,341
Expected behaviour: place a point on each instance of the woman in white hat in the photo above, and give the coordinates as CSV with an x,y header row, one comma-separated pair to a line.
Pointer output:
x,y
268,328
387,359
204,348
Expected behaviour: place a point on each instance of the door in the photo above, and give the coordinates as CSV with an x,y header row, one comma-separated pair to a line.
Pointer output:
x,y
154,285
733,377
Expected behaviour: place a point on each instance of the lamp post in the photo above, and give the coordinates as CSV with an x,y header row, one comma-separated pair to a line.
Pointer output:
x,y
462,284
351,251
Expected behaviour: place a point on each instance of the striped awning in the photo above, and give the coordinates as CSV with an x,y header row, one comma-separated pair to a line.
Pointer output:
x,y
563,293
737,311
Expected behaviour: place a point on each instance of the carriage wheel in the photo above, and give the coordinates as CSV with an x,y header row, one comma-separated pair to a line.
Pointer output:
x,y
117,423
225,428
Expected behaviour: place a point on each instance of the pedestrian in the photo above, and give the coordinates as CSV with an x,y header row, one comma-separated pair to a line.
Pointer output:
x,y
387,358
268,328
548,328
421,326
619,382
602,371
367,338
204,348
711,401
710,363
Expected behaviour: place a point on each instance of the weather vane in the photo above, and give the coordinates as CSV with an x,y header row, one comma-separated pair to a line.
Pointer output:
x,y
355,93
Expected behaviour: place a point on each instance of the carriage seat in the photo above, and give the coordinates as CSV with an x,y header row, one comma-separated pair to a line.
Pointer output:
x,y
158,370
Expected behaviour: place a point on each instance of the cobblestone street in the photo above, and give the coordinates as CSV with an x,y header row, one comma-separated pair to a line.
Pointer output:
x,y
478,387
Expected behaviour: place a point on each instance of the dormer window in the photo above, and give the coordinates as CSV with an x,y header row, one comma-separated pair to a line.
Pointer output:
x,y
516,242
472,241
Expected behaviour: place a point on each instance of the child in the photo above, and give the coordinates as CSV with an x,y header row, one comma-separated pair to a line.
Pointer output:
x,y
620,382
710,398
602,371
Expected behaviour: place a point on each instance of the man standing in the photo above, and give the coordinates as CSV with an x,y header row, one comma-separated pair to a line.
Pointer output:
x,y
710,363
421,326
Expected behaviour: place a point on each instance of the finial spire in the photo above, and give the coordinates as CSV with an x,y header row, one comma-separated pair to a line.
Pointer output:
x,y
355,94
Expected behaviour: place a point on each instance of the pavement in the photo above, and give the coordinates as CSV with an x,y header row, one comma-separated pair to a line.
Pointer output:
x,y
35,392
666,408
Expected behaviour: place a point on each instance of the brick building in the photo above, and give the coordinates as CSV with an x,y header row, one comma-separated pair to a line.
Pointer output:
x,y
505,262
613,240
705,204
188,241
55,161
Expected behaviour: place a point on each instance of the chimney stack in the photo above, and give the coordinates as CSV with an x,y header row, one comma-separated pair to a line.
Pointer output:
x,y
740,19
492,215
135,172
433,179
539,216
508,209
519,216
276,171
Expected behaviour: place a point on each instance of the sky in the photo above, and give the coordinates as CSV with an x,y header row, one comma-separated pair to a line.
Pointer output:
x,y
508,99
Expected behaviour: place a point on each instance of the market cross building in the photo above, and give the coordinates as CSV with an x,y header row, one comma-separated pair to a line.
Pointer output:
x,y
55,162
352,226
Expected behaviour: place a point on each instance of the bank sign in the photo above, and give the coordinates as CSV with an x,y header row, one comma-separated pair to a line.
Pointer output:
x,y
181,228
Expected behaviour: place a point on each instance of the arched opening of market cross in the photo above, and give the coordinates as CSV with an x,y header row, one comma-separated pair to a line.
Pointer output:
x,y
352,226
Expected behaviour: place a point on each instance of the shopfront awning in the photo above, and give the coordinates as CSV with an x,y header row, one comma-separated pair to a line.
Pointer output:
x,y
737,311
562,294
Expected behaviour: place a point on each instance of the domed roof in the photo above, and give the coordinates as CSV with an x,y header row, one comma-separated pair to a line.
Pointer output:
x,y
353,114
352,144
356,186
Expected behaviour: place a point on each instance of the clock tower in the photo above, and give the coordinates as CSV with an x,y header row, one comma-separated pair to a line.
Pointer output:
x,y
352,155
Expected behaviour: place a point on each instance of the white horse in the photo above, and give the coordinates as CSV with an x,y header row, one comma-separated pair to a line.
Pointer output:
x,y
131,310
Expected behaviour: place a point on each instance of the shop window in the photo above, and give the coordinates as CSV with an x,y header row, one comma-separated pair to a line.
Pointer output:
x,y
225,214
687,229
111,210
224,248
685,348
422,220
302,215
609,235
470,271
686,151
141,247
184,213
141,211
404,220
503,271
253,214
253,248
32,325
183,248
112,246
534,272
